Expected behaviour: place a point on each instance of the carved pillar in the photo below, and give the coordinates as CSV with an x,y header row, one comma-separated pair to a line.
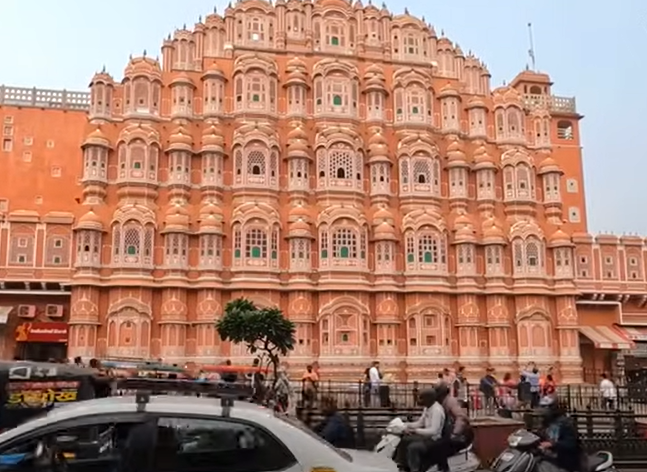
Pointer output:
x,y
208,346
301,312
173,325
468,323
570,360
387,327
501,354
84,323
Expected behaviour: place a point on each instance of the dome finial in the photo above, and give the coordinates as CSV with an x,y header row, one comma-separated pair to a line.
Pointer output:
x,y
144,53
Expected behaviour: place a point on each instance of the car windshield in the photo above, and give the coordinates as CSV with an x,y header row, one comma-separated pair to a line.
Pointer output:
x,y
294,422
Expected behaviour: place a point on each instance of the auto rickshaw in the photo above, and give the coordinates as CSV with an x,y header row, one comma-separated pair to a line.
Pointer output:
x,y
29,388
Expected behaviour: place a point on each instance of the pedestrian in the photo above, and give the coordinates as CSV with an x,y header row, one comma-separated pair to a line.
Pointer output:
x,y
375,380
608,392
310,384
460,387
487,387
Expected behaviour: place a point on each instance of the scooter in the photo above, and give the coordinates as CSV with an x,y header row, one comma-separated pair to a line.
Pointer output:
x,y
463,461
523,455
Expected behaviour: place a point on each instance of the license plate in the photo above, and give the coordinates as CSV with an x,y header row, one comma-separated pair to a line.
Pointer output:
x,y
508,456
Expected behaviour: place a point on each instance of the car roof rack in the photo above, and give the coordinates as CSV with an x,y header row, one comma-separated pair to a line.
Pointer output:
x,y
145,387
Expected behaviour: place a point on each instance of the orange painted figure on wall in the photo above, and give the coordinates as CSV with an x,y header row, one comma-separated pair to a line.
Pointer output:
x,y
349,166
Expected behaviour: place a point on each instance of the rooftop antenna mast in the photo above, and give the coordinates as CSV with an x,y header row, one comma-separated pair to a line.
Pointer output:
x,y
531,51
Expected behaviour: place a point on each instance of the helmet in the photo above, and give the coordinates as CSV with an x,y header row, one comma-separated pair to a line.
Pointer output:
x,y
548,408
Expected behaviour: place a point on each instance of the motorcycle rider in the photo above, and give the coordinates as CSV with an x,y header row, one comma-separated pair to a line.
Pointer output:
x,y
458,433
421,436
562,444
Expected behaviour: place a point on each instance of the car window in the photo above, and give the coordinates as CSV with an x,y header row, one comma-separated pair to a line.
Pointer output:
x,y
98,442
296,423
223,445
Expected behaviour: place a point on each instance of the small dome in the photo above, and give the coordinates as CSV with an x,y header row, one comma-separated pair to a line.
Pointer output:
x,y
96,138
299,211
180,139
298,226
377,144
143,66
298,142
212,140
455,155
102,77
213,70
297,133
384,231
482,159
182,78
176,219
462,220
382,214
465,235
448,91
492,233
475,102
90,221
210,209
559,239
210,219
549,166
296,63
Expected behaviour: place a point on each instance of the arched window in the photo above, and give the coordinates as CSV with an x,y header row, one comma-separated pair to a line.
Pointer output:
x,y
256,166
420,175
255,244
519,182
342,246
339,166
255,91
528,256
133,244
426,250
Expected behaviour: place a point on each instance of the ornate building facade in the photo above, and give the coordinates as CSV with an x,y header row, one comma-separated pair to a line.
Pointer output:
x,y
345,164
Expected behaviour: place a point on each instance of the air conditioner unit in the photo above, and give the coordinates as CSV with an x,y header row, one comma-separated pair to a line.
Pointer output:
x,y
26,311
54,311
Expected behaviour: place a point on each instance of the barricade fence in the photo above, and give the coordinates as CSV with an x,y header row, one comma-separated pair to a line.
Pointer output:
x,y
405,395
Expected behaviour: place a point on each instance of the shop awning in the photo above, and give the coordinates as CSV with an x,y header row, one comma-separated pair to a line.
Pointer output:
x,y
635,333
605,337
4,314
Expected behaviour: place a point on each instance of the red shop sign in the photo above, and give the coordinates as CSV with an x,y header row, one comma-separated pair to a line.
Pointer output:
x,y
42,332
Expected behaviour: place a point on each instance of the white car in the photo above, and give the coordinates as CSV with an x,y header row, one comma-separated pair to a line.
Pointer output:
x,y
210,435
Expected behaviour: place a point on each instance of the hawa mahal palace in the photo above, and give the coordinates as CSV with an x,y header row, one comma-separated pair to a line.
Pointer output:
x,y
348,165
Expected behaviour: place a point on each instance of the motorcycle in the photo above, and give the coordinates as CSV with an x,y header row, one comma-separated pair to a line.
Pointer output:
x,y
463,461
523,455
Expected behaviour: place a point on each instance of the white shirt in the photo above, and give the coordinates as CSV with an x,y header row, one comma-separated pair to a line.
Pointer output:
x,y
431,422
374,376
607,389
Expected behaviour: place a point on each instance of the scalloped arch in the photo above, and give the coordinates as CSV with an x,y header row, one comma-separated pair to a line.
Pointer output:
x,y
334,213
334,306
135,211
254,61
242,214
417,219
328,66
130,304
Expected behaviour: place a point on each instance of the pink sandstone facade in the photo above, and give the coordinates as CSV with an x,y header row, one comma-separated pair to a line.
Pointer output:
x,y
347,165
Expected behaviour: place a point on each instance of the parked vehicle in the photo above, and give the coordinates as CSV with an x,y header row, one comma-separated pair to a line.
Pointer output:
x,y
523,455
171,433
29,388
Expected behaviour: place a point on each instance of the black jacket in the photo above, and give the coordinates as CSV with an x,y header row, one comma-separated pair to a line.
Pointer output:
x,y
566,443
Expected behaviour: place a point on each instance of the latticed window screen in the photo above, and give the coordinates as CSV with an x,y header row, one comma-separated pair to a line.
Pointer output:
x,y
132,245
427,249
256,167
237,243
323,243
340,167
344,244
255,244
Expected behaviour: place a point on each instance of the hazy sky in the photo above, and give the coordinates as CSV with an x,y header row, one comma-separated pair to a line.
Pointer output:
x,y
595,50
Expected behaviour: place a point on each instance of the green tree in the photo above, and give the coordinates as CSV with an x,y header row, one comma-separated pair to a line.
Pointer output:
x,y
265,331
